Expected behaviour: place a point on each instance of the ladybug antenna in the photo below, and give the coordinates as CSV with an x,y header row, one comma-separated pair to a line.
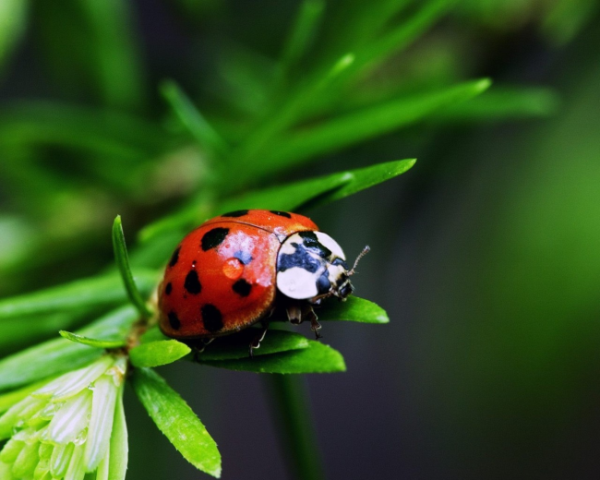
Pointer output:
x,y
365,250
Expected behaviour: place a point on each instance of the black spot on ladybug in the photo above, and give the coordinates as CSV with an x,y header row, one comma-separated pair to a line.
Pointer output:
x,y
243,257
281,214
242,287
174,321
237,213
323,283
212,318
213,238
309,239
174,257
192,283
168,288
300,258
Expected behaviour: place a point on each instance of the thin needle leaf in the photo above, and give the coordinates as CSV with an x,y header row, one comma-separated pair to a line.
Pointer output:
x,y
177,421
192,119
316,358
122,259
303,32
359,126
91,292
93,342
58,356
237,346
119,446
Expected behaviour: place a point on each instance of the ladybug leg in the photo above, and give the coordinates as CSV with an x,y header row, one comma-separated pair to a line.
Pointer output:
x,y
309,314
294,313
255,343
198,347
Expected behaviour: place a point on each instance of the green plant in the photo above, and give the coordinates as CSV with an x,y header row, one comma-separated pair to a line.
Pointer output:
x,y
324,94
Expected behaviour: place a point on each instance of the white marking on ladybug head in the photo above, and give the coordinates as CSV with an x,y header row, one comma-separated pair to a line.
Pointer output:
x,y
331,244
298,283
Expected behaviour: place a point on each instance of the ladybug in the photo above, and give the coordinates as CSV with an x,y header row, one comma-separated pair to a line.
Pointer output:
x,y
233,270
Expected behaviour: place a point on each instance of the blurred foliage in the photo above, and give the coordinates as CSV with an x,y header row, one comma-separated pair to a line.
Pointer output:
x,y
102,140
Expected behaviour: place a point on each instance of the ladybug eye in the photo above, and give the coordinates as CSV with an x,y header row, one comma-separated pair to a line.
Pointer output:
x,y
346,290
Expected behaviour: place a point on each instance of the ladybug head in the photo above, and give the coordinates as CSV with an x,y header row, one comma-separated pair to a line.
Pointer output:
x,y
312,266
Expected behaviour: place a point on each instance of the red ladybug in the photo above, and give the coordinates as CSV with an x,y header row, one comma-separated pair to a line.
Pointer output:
x,y
234,269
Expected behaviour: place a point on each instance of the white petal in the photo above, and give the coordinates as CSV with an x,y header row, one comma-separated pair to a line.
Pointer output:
x,y
59,461
101,421
76,469
71,419
85,377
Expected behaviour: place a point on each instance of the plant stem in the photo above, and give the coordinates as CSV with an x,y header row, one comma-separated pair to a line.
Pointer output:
x,y
290,405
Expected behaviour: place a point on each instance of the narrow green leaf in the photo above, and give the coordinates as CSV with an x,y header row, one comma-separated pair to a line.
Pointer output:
x,y
237,346
155,354
58,356
13,14
287,197
291,197
362,179
192,119
93,291
7,400
119,445
109,134
248,158
316,358
354,309
177,421
122,259
359,126
380,49
302,33
93,342
153,334
502,103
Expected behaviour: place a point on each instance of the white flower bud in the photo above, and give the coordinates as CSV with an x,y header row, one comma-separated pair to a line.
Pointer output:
x,y
62,430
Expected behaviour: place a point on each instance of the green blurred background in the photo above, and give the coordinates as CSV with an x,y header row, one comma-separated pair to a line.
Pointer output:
x,y
486,254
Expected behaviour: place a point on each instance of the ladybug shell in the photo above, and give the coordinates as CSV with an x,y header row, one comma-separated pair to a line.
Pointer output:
x,y
222,276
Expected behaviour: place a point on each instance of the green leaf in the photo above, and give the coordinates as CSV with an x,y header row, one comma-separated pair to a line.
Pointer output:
x,y
359,126
177,421
286,197
13,15
122,259
192,119
119,447
93,291
396,39
91,47
354,309
236,346
106,133
302,33
317,358
93,342
291,197
502,103
155,354
153,334
58,356
247,159
7,400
